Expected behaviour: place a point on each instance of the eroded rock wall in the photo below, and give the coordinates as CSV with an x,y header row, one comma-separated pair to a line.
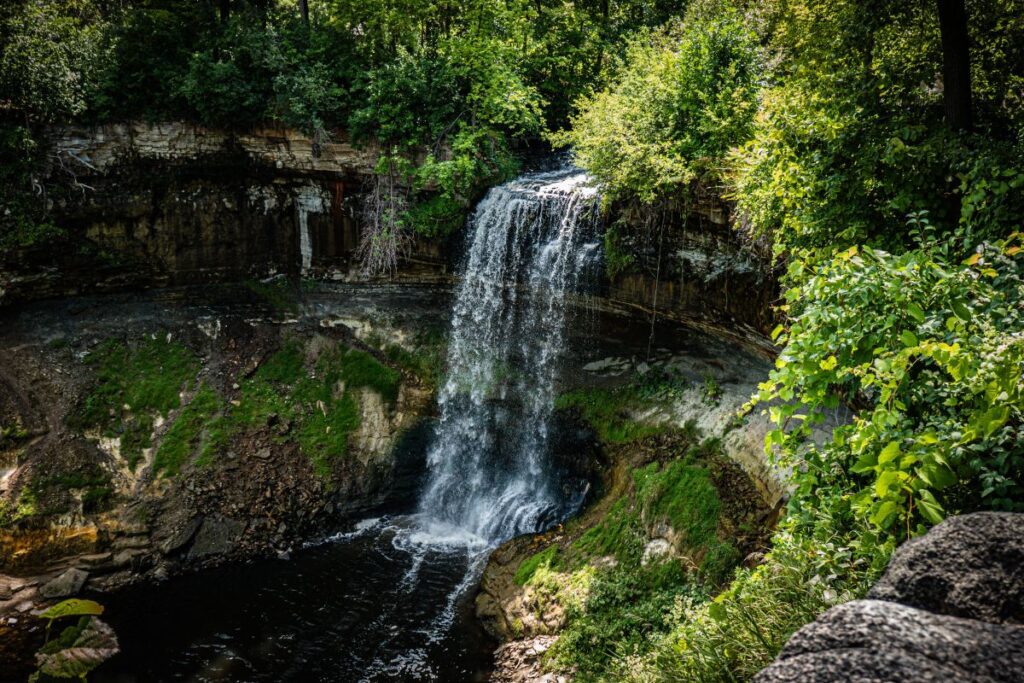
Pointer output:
x,y
688,261
145,205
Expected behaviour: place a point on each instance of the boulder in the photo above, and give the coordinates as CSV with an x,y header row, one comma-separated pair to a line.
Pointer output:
x,y
968,566
872,640
216,536
949,608
67,584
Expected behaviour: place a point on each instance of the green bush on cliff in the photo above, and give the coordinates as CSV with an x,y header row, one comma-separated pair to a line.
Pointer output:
x,y
685,95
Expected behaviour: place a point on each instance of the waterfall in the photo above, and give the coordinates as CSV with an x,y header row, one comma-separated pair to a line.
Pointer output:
x,y
533,241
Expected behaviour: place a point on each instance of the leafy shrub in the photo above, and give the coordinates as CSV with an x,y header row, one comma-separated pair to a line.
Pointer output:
x,y
937,367
684,97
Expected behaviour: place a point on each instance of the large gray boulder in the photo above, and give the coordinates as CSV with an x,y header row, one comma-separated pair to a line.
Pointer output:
x,y
67,584
949,608
969,566
871,640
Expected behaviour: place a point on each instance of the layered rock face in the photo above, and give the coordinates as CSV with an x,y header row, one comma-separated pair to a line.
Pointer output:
x,y
950,607
155,204
145,205
283,428
688,261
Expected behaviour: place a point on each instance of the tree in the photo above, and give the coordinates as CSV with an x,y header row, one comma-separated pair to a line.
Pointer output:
x,y
956,64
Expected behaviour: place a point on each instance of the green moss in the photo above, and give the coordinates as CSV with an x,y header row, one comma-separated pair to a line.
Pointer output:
x,y
546,558
308,404
185,436
617,534
360,369
134,382
324,437
286,366
681,494
607,411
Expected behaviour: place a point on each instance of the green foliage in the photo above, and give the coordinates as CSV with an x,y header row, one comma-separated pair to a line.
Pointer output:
x,y
850,136
936,366
79,648
73,607
627,609
196,426
50,57
742,630
617,257
686,94
608,411
616,605
135,382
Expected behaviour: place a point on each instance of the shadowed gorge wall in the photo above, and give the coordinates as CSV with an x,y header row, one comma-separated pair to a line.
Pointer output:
x,y
175,203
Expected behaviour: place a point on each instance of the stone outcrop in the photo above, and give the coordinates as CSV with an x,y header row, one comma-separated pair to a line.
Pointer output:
x,y
947,609
145,205
260,495
689,262
971,566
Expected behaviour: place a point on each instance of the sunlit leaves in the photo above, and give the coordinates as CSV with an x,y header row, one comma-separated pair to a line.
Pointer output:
x,y
933,354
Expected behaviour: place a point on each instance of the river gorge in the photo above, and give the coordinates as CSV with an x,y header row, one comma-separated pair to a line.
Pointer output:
x,y
373,572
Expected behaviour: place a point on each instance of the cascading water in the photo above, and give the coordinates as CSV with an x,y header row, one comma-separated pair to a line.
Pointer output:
x,y
532,241
391,596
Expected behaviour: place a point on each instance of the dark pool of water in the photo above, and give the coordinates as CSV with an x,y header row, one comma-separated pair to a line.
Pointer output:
x,y
389,602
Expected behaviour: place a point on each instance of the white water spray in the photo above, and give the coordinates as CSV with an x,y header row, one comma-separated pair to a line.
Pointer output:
x,y
532,242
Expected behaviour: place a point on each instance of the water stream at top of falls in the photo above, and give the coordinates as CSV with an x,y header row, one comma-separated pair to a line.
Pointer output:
x,y
533,242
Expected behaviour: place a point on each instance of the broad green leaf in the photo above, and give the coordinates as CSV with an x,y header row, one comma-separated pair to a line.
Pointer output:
x,y
73,608
930,508
961,311
915,312
882,514
865,463
93,646
885,480
908,338
889,453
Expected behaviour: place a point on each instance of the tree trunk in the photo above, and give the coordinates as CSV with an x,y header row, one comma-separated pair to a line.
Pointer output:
x,y
956,64
304,9
225,10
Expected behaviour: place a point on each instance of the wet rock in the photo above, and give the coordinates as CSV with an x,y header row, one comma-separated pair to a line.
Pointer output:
x,y
520,662
968,566
216,536
181,535
67,584
871,640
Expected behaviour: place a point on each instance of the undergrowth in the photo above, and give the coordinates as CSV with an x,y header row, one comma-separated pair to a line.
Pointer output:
x,y
311,400
135,382
619,603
